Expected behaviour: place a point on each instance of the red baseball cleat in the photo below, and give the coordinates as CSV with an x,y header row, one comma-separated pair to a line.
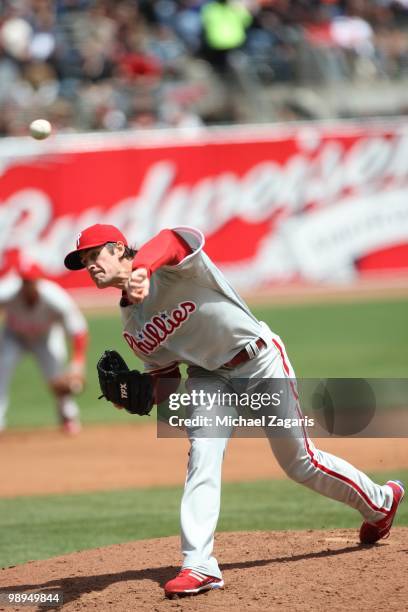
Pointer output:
x,y
71,427
372,532
190,582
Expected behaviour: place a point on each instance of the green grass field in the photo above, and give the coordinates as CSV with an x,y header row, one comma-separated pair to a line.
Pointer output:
x,y
347,340
46,526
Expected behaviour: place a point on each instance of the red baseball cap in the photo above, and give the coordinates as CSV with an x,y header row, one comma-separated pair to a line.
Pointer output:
x,y
28,270
89,238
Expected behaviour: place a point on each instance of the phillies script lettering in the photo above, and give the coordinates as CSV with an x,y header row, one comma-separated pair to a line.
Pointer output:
x,y
160,326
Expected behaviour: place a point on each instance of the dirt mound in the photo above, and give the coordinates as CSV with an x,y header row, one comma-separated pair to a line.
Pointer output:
x,y
262,571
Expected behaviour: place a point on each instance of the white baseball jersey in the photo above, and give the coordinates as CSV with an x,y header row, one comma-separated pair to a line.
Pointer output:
x,y
191,315
54,307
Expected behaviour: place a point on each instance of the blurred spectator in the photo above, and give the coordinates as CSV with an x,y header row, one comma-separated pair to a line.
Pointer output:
x,y
225,25
187,23
271,48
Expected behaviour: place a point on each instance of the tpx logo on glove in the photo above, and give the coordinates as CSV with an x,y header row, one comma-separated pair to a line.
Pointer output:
x,y
123,390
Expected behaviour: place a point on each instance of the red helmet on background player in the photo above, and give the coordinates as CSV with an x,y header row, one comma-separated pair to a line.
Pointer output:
x,y
28,270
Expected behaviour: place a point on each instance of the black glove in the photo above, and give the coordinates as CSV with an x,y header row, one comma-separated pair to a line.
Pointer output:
x,y
124,387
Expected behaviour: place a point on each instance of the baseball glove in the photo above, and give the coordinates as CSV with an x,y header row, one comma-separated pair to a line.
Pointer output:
x,y
123,387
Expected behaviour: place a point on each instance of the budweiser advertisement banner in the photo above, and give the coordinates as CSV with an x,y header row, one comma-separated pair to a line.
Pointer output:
x,y
310,203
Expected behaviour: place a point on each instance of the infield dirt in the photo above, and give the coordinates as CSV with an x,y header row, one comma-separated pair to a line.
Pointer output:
x,y
123,456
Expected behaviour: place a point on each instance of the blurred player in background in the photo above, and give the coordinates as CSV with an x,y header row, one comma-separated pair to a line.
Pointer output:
x,y
38,316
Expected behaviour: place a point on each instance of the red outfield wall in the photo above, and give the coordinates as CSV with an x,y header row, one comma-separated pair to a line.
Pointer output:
x,y
312,202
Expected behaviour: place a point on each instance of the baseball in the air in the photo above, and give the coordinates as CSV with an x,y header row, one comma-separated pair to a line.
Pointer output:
x,y
40,129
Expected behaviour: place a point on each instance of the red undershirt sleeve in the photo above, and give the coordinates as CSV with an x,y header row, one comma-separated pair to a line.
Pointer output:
x,y
79,344
165,249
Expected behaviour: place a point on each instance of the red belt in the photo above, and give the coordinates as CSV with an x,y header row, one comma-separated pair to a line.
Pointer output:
x,y
245,354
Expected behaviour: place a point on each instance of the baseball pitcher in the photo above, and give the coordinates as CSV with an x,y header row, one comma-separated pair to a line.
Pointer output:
x,y
177,307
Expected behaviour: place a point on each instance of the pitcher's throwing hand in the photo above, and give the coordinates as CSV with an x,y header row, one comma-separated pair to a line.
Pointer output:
x,y
138,285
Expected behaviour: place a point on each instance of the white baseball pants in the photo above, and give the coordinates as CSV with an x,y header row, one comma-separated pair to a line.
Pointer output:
x,y
295,453
50,353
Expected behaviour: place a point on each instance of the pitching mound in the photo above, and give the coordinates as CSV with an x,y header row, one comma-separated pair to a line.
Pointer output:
x,y
262,570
